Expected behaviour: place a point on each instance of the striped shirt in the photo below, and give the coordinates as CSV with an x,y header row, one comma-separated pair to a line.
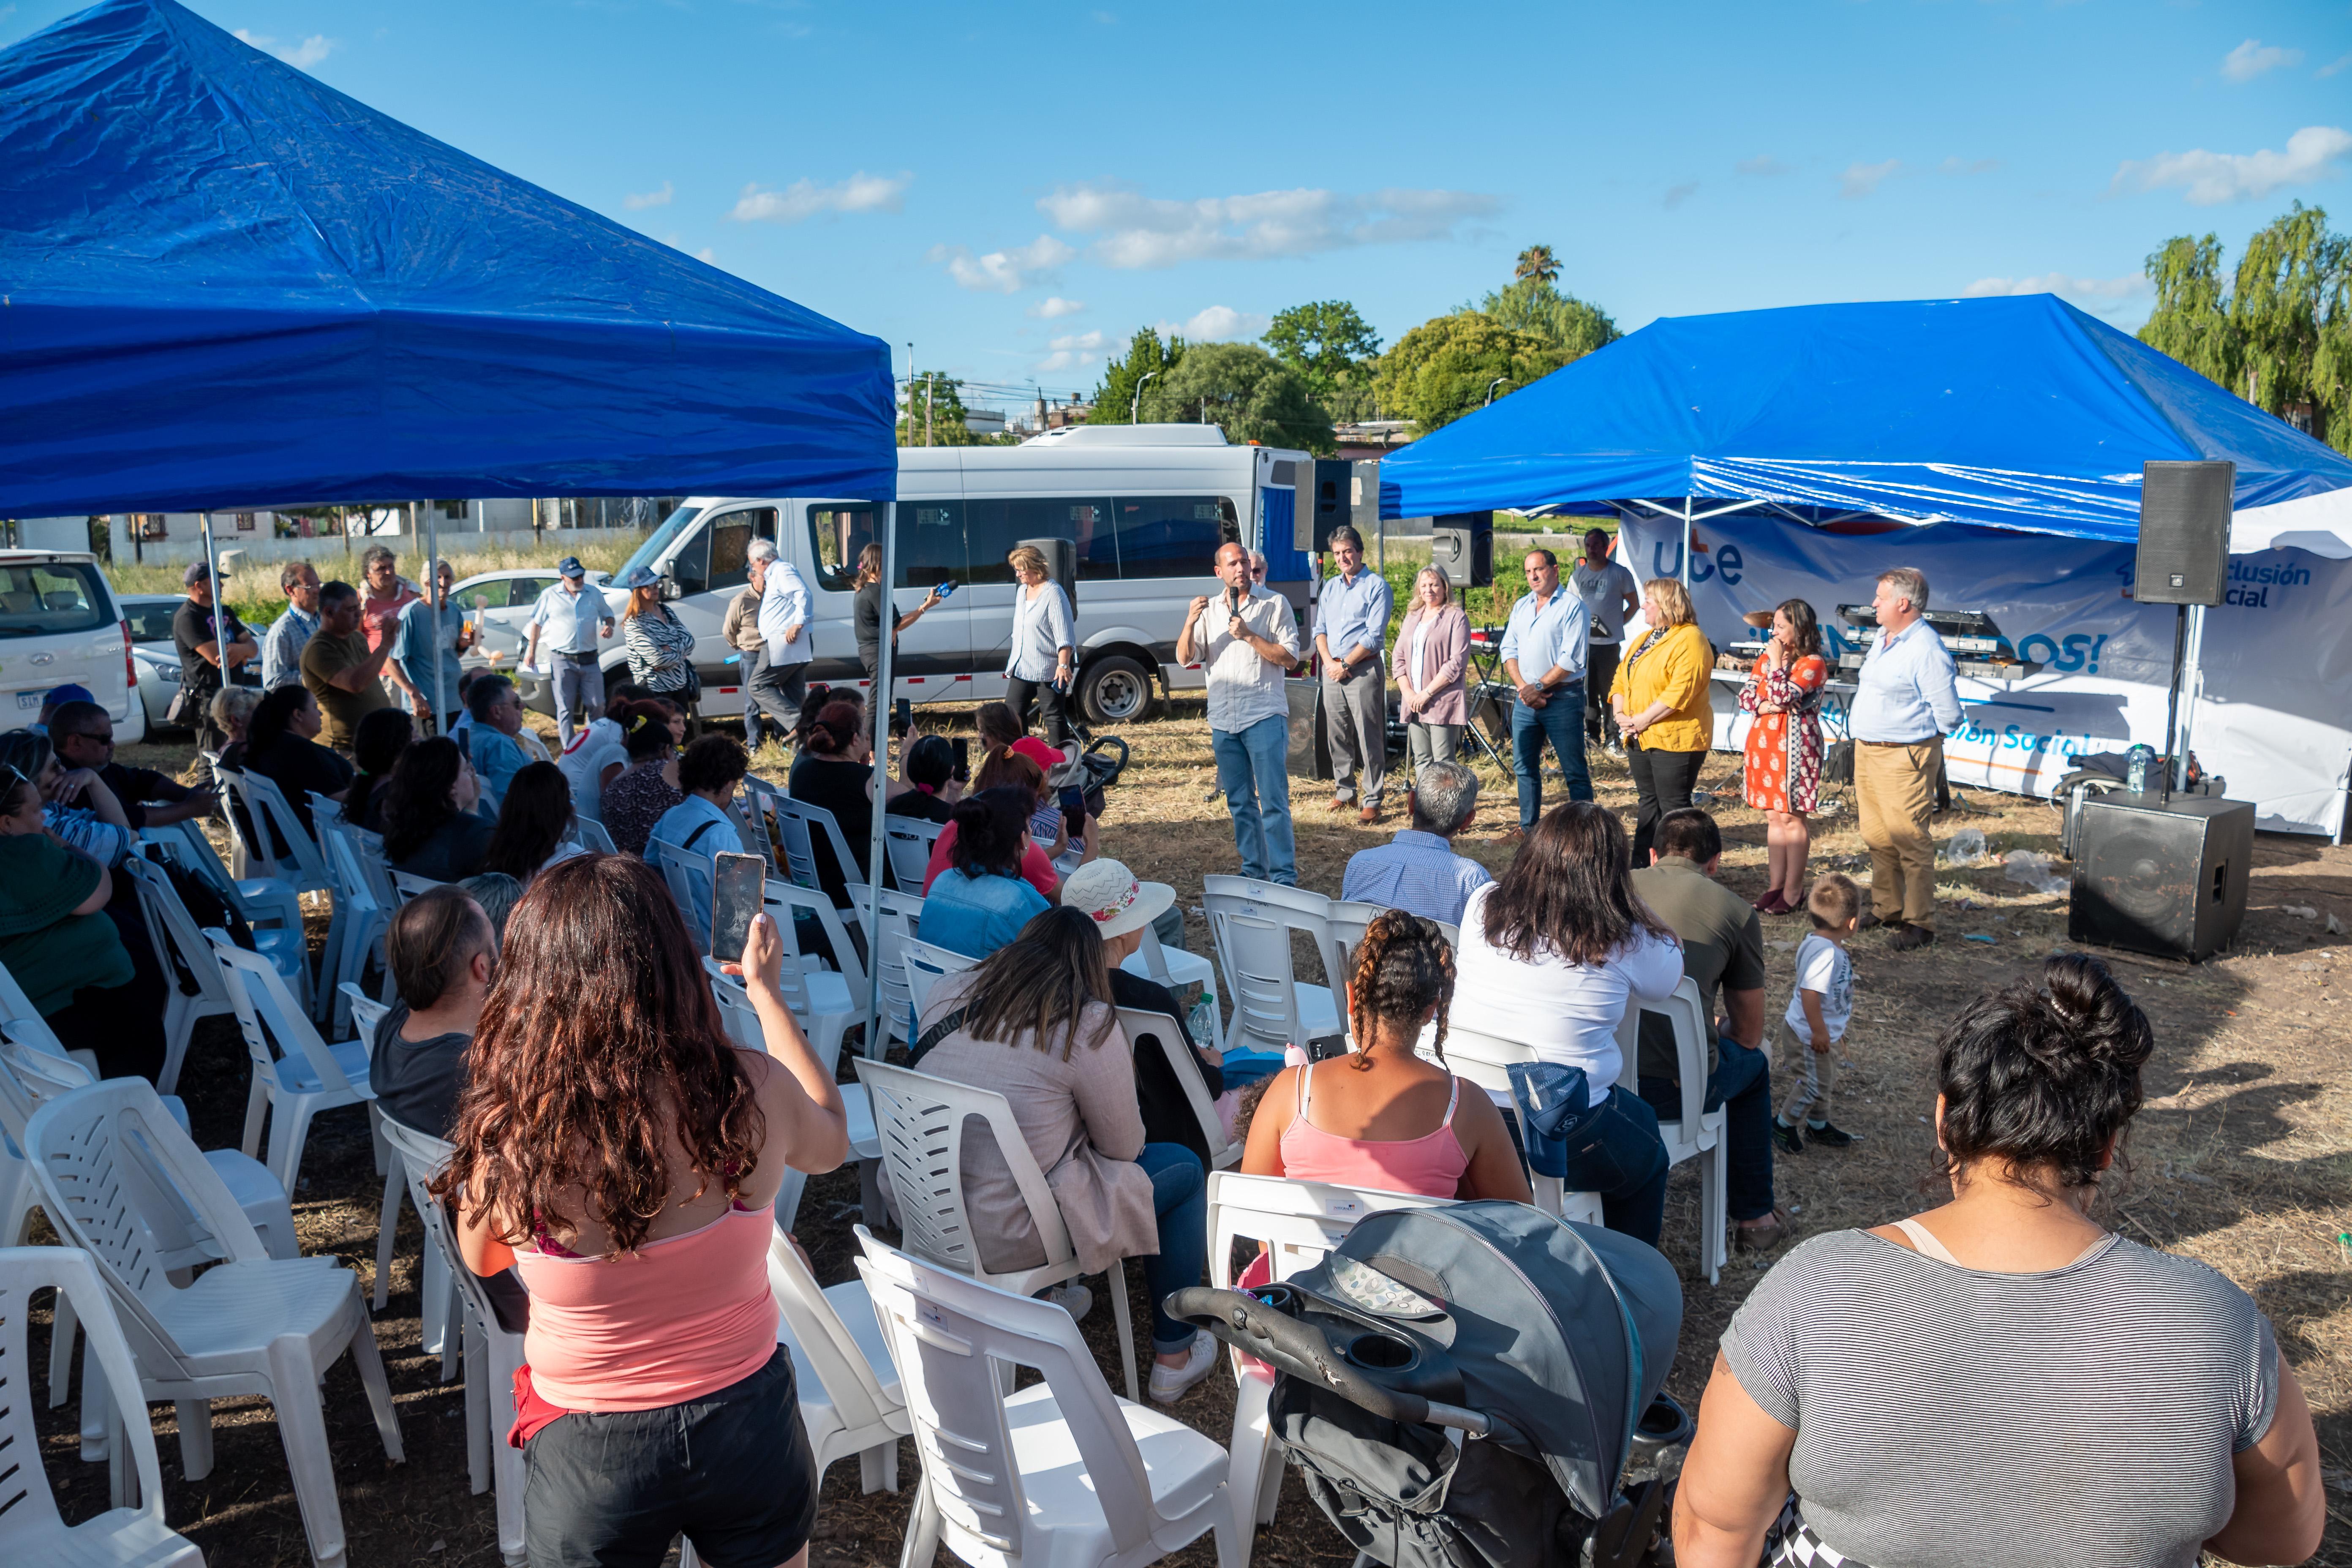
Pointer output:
x,y
1948,1417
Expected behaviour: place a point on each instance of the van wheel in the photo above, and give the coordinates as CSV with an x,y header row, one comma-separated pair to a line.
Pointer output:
x,y
1114,690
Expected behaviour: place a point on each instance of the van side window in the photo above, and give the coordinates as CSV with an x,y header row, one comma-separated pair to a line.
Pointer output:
x,y
731,533
994,527
1170,536
839,534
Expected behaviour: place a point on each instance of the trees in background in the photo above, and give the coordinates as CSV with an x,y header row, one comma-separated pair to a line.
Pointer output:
x,y
1446,367
2279,332
933,413
1147,351
1253,396
1334,349
1536,265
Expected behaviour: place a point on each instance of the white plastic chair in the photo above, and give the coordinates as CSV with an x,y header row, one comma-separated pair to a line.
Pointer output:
x,y
1171,968
367,918
743,1028
907,843
850,1397
174,929
1697,1134
591,835
1138,1023
312,1076
1251,923
818,823
788,841
269,906
131,1534
250,1325
303,867
17,1011
887,931
687,873
926,966
1486,1060
1060,1475
825,1001
324,810
406,885
437,1303
1298,1222
920,1121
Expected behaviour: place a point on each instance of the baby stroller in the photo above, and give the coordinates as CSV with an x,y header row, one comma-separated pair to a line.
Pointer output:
x,y
1463,1386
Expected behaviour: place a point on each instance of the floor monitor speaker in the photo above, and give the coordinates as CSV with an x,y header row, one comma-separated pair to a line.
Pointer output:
x,y
2166,877
2184,534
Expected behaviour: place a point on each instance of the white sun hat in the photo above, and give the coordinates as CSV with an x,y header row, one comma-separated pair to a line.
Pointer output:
x,y
1112,898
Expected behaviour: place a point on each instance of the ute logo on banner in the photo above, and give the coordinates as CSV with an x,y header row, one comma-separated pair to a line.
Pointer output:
x,y
2275,713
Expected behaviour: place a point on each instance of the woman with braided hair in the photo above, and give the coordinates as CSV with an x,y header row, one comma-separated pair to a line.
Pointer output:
x,y
1383,1117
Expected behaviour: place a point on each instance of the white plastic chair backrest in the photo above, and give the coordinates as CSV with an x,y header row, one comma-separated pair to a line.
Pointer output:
x,y
263,792
1155,957
926,966
1299,1221
1348,922
322,809
889,924
1685,1011
1138,1023
422,1158
366,851
592,836
735,1008
367,1012
91,1150
908,841
849,1379
406,885
687,872
783,899
342,866
920,1122
789,833
759,820
1255,954
184,841
1486,1059
30,1078
168,920
944,1331
819,823
246,823
17,1011
26,1501
259,995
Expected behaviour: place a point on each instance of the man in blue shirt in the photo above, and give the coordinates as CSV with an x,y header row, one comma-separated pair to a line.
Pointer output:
x,y
281,648
436,679
1904,703
1418,871
1351,622
490,745
1543,658
781,682
575,616
702,824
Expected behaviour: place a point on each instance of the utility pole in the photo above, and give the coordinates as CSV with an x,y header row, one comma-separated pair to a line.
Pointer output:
x,y
926,409
910,394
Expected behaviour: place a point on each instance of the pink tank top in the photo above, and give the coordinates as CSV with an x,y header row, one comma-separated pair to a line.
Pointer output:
x,y
1431,1164
680,1317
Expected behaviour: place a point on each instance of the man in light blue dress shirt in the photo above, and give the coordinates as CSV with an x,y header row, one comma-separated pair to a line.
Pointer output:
x,y
1906,701
785,646
1352,623
1543,658
1418,871
281,648
575,616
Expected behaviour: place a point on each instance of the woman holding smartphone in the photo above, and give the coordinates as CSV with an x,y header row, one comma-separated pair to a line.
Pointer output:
x,y
1045,650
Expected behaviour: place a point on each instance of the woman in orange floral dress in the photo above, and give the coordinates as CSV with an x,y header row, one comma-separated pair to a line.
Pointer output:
x,y
1782,776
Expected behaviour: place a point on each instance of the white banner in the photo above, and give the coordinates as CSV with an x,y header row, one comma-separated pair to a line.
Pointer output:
x,y
2275,717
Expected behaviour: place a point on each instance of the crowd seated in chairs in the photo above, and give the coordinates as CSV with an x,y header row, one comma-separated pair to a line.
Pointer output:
x,y
651,732
534,822
376,746
282,746
433,824
981,900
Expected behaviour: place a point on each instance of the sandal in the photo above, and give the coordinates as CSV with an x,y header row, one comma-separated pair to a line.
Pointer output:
x,y
1771,903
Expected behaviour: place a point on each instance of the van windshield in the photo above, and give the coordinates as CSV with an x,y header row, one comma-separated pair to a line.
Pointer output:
x,y
651,550
49,599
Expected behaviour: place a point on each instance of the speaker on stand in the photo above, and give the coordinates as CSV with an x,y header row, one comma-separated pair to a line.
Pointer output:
x,y
1462,545
2183,559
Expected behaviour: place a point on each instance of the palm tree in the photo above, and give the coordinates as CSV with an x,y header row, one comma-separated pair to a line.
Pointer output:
x,y
1537,262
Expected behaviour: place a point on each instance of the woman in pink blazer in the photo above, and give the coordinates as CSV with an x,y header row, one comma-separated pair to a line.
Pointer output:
x,y
1430,655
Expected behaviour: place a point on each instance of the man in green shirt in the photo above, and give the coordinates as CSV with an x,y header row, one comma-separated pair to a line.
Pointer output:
x,y
1723,955
340,669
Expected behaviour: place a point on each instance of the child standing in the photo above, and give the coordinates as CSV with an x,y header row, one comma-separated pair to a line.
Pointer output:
x,y
1819,1010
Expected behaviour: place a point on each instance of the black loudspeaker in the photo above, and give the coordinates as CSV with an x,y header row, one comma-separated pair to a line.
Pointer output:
x,y
2162,877
1462,544
1325,499
2184,532
1061,562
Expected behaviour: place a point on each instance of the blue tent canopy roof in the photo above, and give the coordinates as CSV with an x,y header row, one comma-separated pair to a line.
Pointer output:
x,y
223,283
2018,412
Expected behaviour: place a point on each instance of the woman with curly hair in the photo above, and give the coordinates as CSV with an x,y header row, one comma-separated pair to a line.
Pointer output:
x,y
619,1152
1382,1116
2002,1381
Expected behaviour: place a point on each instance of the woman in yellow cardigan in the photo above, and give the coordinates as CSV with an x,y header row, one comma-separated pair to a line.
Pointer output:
x,y
1661,702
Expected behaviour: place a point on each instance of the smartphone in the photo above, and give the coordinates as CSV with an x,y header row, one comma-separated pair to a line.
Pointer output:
x,y
1074,807
963,759
946,590
737,882
1323,1047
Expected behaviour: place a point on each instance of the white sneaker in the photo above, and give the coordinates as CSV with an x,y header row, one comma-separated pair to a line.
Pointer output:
x,y
1168,1383
1075,1300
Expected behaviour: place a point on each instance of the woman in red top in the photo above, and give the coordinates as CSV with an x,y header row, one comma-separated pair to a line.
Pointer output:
x,y
1782,776
623,1154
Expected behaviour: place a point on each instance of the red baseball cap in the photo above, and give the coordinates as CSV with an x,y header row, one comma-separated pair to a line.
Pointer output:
x,y
1037,752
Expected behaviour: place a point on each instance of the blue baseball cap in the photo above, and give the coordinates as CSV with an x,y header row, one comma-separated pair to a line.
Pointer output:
x,y
638,577
570,566
58,696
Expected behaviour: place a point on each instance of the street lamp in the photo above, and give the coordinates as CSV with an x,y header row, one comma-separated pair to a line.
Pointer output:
x,y
1135,409
1490,389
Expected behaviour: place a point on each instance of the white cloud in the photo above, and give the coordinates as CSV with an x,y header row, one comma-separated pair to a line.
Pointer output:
x,y
637,201
1216,324
2330,68
2252,57
301,55
2126,286
1139,231
1677,194
2209,179
1968,165
1860,179
1764,167
1072,352
1055,308
1003,271
861,192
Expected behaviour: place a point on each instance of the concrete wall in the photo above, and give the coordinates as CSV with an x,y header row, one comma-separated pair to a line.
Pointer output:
x,y
501,523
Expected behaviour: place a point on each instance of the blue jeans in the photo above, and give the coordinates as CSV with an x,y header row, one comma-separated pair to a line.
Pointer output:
x,y
1179,1197
1559,720
1742,1085
1254,769
1617,1152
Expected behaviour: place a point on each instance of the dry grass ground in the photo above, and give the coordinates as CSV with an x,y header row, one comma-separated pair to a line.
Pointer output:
x,y
2241,1159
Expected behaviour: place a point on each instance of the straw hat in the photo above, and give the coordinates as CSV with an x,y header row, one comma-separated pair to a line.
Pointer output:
x,y
1112,898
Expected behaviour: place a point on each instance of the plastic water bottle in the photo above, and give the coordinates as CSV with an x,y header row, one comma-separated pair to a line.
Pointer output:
x,y
1203,1023
2138,762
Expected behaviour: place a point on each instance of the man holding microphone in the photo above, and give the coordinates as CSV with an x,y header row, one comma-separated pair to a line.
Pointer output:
x,y
569,610
1249,640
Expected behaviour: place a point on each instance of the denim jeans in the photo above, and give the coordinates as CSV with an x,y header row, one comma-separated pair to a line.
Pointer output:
x,y
1559,720
1742,1084
1254,769
1179,1197
1617,1153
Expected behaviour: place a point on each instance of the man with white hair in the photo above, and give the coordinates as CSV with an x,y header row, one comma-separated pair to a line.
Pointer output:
x,y
742,630
1906,701
1418,871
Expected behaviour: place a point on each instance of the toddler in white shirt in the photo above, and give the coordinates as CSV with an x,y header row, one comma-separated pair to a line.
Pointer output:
x,y
1820,1007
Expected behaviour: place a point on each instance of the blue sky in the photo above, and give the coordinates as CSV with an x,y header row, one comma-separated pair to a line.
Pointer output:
x,y
1016,189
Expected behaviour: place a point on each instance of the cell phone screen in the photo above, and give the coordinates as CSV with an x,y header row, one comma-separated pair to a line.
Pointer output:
x,y
737,884
1074,804
963,759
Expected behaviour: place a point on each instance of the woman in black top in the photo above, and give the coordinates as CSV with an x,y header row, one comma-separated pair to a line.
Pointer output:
x,y
430,825
867,612
929,770
532,822
278,746
376,745
835,772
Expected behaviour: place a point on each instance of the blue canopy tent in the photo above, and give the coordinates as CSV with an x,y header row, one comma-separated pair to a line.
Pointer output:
x,y
226,283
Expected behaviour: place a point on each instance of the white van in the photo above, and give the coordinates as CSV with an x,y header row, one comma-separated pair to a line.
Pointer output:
x,y
59,624
1145,507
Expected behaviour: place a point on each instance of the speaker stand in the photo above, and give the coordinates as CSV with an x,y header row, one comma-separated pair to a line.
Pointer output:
x,y
2172,701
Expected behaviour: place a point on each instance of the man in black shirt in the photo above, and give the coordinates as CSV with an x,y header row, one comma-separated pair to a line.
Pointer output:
x,y
443,952
1122,910
83,733
208,652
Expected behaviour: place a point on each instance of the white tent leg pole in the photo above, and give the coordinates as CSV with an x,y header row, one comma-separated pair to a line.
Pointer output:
x,y
432,596
885,679
212,566
1686,545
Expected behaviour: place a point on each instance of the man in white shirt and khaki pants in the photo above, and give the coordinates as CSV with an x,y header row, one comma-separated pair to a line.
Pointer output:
x,y
1906,701
1249,639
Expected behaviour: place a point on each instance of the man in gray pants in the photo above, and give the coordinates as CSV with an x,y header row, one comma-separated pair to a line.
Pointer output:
x,y
1351,622
575,618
